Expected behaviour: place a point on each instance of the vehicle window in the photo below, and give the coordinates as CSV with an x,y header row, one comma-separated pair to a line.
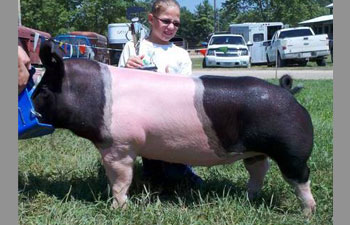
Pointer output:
x,y
227,40
295,33
73,40
258,37
326,29
273,38
271,30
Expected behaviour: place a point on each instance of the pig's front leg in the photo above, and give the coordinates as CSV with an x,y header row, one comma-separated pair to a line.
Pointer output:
x,y
118,162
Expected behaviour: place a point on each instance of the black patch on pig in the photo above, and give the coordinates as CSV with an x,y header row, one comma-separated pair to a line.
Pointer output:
x,y
250,114
71,94
80,105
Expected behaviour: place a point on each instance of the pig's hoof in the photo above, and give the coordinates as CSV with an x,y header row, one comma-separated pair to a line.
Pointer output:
x,y
253,195
195,181
309,210
118,205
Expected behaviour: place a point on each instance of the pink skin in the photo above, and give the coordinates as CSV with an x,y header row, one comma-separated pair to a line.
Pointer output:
x,y
303,191
161,33
257,171
23,67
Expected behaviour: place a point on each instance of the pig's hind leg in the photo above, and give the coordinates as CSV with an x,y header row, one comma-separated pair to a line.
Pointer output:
x,y
296,172
257,168
118,162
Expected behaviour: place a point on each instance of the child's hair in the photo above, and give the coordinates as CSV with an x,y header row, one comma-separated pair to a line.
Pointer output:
x,y
159,5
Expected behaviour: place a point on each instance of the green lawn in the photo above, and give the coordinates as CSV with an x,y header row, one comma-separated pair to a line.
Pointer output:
x,y
61,181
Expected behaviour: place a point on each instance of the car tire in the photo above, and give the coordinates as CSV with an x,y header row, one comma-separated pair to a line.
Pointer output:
x,y
204,64
302,63
321,62
280,62
269,64
332,55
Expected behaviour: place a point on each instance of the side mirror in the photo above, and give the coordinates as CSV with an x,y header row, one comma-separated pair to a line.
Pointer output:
x,y
204,44
249,44
267,43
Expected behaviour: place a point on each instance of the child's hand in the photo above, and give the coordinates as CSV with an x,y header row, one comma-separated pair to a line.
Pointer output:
x,y
134,62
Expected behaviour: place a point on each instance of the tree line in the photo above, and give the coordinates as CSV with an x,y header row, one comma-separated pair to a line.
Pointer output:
x,y
62,16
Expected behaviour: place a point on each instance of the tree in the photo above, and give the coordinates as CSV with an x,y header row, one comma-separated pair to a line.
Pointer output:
x,y
187,29
61,16
289,12
95,15
228,13
203,21
48,15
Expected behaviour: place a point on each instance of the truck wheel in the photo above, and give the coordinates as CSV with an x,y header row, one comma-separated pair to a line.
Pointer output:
x,y
303,63
321,62
332,55
269,64
204,65
280,62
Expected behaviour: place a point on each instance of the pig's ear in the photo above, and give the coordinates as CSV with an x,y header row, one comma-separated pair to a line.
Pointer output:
x,y
51,56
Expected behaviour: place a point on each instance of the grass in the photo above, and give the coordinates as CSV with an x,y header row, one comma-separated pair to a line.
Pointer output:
x,y
61,181
197,64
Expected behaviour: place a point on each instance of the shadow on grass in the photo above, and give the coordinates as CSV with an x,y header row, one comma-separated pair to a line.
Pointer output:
x,y
210,192
95,188
81,188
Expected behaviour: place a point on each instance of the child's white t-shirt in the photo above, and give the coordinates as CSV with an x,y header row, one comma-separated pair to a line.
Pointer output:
x,y
168,58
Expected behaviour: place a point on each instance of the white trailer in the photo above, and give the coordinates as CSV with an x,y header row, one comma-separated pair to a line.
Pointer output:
x,y
257,34
119,34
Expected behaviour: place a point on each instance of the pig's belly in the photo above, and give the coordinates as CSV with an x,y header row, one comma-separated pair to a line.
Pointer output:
x,y
167,139
193,152
166,134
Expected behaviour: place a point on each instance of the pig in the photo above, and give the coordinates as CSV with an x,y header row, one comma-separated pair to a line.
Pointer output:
x,y
193,120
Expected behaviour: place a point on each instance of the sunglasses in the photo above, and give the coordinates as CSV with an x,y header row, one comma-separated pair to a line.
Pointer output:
x,y
168,21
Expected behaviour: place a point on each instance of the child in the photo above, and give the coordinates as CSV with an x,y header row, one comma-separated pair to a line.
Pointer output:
x,y
157,51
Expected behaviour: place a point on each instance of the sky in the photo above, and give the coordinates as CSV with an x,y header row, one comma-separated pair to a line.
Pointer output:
x,y
191,4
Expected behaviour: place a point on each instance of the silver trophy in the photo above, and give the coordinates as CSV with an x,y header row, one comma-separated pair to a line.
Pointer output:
x,y
136,36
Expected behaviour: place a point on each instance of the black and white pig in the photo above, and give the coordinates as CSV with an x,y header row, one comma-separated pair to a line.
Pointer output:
x,y
200,121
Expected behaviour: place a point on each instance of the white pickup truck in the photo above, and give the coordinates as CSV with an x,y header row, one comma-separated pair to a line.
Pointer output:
x,y
297,45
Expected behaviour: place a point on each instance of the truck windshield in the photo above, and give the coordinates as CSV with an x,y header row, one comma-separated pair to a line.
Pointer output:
x,y
295,33
220,40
